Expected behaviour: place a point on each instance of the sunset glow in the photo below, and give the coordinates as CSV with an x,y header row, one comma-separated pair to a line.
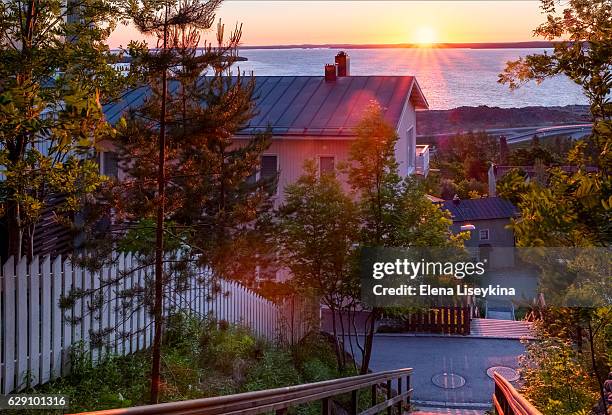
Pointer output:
x,y
372,22
425,36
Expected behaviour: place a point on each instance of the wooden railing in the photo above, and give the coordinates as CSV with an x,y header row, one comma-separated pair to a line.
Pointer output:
x,y
279,400
442,320
508,401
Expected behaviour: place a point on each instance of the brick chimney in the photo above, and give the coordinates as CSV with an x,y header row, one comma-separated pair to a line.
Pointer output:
x,y
330,72
343,64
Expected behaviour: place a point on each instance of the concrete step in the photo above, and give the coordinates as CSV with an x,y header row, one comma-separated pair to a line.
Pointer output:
x,y
448,411
501,329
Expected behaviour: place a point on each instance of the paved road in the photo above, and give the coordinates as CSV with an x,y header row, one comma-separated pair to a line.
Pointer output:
x,y
467,357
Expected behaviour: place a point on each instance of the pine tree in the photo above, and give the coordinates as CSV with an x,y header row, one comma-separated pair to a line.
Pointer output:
x,y
186,201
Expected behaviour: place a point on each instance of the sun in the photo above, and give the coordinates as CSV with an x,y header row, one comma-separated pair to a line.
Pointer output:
x,y
425,35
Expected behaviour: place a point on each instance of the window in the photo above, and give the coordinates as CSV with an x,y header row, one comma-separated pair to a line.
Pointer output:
x,y
326,164
483,234
110,164
411,143
269,170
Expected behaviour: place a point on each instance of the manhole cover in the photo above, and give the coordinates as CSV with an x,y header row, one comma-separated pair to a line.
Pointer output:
x,y
507,372
448,380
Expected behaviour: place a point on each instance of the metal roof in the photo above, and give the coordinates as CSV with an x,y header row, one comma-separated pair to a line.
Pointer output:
x,y
308,105
480,209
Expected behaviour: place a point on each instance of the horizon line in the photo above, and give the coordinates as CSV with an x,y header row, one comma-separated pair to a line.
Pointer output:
x,y
436,45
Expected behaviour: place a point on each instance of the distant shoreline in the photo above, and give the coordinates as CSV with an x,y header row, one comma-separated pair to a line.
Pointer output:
x,y
480,118
474,45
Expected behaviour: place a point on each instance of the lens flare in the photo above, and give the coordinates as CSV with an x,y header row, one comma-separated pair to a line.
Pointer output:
x,y
425,36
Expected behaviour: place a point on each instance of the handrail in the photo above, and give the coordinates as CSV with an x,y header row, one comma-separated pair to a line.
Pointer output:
x,y
280,399
508,401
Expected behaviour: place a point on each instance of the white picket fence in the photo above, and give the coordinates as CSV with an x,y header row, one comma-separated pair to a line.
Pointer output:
x,y
37,334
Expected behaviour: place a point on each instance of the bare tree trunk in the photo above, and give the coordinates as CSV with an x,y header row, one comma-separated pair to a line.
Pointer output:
x,y
14,230
343,339
594,366
159,239
339,359
351,323
369,341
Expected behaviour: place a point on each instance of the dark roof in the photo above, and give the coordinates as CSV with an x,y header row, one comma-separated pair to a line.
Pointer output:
x,y
480,209
307,105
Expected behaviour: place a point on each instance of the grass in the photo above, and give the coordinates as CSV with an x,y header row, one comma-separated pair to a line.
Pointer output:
x,y
199,359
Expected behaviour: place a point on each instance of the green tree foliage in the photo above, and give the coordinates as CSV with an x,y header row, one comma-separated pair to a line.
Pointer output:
x,y
464,160
550,153
186,202
467,156
563,371
582,214
318,229
584,56
555,381
512,185
392,212
567,210
420,223
571,209
54,77
373,176
528,156
216,203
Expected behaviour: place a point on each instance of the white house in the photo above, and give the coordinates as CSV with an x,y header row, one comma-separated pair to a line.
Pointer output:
x,y
311,117
314,117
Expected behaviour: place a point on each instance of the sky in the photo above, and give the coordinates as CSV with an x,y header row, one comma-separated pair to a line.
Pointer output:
x,y
283,22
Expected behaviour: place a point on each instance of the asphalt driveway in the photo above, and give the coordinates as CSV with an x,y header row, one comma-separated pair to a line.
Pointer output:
x,y
429,356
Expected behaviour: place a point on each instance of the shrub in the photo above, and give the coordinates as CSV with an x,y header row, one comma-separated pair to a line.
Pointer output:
x,y
183,332
199,359
113,382
315,371
315,346
221,348
274,370
554,380
182,376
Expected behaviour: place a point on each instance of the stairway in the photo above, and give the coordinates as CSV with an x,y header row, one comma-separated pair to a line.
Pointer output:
x,y
501,329
448,411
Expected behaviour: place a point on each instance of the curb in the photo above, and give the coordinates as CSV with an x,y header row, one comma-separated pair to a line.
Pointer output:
x,y
453,405
453,336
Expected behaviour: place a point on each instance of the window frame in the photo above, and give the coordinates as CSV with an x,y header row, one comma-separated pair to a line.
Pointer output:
x,y
480,238
319,156
411,147
275,193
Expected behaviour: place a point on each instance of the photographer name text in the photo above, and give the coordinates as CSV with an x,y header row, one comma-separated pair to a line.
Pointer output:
x,y
427,290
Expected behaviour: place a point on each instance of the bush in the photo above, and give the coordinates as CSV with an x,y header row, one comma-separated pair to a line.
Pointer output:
x,y
274,370
113,382
183,332
200,358
554,380
315,346
315,371
182,376
221,348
